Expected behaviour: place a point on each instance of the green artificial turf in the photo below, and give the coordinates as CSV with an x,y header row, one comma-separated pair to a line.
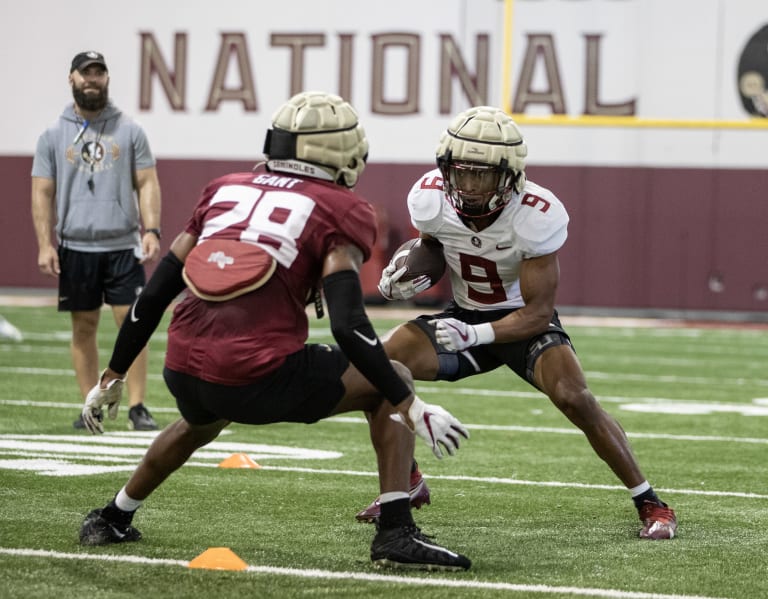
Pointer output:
x,y
525,498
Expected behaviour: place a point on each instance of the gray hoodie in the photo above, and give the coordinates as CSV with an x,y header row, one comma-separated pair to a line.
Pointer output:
x,y
96,202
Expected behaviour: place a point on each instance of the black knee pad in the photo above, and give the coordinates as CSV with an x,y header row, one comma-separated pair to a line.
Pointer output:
x,y
453,366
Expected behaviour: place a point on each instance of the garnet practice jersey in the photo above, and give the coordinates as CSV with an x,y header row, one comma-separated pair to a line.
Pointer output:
x,y
297,221
485,266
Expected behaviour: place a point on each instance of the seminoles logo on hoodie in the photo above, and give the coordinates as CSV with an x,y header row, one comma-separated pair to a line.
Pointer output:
x,y
92,152
753,74
96,154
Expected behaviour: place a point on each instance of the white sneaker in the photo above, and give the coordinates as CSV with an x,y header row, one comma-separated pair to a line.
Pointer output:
x,y
8,331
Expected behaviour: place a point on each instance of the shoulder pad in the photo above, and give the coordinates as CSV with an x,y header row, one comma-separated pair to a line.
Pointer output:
x,y
425,201
541,221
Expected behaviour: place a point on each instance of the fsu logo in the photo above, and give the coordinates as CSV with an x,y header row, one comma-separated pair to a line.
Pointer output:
x,y
753,74
92,152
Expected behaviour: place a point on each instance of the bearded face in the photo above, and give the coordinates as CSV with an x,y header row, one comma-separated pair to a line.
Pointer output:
x,y
90,95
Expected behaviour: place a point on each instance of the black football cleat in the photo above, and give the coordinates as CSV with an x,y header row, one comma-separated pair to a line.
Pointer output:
x,y
406,547
97,530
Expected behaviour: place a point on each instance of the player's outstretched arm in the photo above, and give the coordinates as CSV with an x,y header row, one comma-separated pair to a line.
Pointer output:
x,y
142,320
356,337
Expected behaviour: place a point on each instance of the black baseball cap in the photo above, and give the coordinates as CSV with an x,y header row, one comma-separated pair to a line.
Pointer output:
x,y
85,59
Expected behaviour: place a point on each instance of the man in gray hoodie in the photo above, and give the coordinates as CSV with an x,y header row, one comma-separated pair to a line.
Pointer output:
x,y
95,183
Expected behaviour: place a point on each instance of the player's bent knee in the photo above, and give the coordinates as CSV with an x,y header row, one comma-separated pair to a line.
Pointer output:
x,y
576,402
403,372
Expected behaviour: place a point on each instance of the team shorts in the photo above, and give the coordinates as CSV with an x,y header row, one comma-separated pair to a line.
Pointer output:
x,y
90,279
306,388
520,356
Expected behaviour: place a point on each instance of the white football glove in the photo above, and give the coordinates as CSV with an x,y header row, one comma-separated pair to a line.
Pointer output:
x,y
96,399
455,335
391,287
435,425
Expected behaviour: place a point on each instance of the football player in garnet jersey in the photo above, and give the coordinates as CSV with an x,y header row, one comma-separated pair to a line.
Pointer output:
x,y
256,248
500,235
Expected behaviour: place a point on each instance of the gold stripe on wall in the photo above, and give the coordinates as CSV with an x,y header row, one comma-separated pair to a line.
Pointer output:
x,y
619,122
631,122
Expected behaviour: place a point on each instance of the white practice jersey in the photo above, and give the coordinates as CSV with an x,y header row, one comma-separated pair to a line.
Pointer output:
x,y
485,266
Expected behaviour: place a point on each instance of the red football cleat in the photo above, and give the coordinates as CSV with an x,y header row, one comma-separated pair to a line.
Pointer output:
x,y
419,493
659,521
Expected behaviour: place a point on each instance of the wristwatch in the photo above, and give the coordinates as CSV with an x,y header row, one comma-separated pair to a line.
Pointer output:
x,y
155,232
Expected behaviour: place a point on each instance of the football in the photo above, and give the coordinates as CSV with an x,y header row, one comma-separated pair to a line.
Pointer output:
x,y
421,257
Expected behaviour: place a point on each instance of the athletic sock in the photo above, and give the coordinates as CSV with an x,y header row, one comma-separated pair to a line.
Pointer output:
x,y
647,495
125,502
121,509
395,514
114,514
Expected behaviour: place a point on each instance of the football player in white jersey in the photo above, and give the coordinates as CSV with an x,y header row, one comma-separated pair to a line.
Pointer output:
x,y
500,235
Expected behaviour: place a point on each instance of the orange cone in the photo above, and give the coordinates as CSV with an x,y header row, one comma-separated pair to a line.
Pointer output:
x,y
238,460
218,558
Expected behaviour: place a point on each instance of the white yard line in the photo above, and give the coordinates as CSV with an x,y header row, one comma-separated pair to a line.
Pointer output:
x,y
72,455
479,427
431,581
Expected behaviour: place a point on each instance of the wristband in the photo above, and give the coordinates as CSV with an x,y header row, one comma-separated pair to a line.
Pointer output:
x,y
155,232
485,333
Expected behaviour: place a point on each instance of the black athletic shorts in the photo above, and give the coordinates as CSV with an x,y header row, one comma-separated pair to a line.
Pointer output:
x,y
90,279
306,388
520,356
